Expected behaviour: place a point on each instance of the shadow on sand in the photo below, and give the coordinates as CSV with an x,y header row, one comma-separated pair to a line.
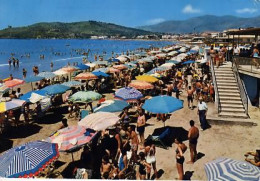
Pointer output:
x,y
188,175
5,144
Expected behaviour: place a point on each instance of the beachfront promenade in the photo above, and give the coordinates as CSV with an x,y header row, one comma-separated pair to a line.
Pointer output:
x,y
220,140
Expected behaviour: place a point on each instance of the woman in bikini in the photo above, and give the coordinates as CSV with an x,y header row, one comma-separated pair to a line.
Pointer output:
x,y
181,148
151,160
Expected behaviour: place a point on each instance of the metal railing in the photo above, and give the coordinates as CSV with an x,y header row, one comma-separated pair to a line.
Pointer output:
x,y
250,64
241,85
217,100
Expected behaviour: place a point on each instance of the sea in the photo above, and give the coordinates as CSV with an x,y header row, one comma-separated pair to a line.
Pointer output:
x,y
61,52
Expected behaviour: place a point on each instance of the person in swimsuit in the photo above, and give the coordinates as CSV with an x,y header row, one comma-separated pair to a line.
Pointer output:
x,y
122,164
190,97
124,116
133,141
256,160
141,125
181,148
198,89
151,159
106,167
142,166
193,136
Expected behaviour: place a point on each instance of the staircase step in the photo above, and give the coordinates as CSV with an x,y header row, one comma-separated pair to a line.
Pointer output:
x,y
231,102
224,74
229,72
233,115
219,80
229,94
226,84
233,110
229,98
238,105
228,87
228,90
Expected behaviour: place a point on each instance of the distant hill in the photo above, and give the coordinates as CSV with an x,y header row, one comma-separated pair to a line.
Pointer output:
x,y
203,23
71,30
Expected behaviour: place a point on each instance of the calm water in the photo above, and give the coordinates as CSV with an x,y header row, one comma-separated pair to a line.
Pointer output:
x,y
60,52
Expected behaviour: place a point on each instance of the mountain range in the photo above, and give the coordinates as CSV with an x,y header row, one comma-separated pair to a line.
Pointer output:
x,y
84,29
202,24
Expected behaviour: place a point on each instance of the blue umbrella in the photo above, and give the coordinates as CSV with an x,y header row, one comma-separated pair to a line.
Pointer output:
x,y
82,67
100,74
128,94
33,79
27,96
47,75
114,60
56,89
72,83
101,70
188,62
228,169
173,61
28,160
111,106
162,104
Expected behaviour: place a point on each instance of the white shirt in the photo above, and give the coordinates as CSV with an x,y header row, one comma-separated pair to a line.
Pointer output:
x,y
202,106
236,50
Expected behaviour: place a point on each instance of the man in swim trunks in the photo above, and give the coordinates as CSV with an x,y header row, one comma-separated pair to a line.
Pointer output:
x,y
193,136
190,97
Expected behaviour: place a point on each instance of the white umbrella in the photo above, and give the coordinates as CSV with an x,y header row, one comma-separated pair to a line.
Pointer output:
x,y
60,72
36,97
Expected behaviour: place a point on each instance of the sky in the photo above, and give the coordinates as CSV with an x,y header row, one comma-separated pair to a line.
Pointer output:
x,y
130,13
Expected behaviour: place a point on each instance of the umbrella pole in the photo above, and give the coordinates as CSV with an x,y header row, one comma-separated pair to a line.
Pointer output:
x,y
72,156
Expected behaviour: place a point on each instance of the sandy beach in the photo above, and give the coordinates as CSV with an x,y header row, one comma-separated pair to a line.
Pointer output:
x,y
221,140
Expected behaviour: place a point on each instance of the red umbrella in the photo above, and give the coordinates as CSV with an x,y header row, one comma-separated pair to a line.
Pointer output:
x,y
120,67
13,83
141,85
86,76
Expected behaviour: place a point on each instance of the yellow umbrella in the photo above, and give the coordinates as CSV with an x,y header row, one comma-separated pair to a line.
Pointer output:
x,y
146,78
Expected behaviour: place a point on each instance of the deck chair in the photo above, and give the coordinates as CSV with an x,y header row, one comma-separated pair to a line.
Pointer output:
x,y
83,113
158,140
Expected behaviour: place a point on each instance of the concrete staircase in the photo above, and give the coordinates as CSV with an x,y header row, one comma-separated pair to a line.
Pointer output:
x,y
229,95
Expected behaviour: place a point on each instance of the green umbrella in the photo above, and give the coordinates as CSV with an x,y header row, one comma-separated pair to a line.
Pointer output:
x,y
83,96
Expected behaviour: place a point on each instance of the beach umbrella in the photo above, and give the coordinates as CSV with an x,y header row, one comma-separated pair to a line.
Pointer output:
x,y
33,79
131,64
69,69
100,74
47,75
85,97
105,70
99,121
114,60
168,65
111,106
14,103
72,83
229,169
71,138
188,62
120,67
161,55
100,62
138,84
113,70
86,76
26,97
157,70
28,160
13,83
56,89
162,104
91,65
146,78
128,94
82,67
156,75
60,72
4,89
174,61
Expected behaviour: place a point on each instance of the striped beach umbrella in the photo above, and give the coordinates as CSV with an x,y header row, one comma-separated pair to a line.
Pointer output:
x,y
4,89
99,121
146,78
84,97
120,67
100,74
47,75
157,70
72,83
128,94
86,76
229,169
60,72
56,89
72,137
13,83
69,69
105,70
111,106
13,104
113,70
28,160
138,84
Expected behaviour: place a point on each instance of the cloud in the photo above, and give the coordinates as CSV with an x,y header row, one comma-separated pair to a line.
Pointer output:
x,y
189,9
246,10
155,21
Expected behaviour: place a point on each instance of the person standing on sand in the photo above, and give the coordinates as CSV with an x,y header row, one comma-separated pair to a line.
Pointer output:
x,y
180,150
190,97
193,136
202,112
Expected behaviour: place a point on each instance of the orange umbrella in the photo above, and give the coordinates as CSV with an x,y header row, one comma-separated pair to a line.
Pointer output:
x,y
13,83
138,84
86,76
69,69
113,70
120,67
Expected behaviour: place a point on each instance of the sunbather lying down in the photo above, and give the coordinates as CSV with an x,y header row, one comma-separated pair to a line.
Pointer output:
x,y
256,160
